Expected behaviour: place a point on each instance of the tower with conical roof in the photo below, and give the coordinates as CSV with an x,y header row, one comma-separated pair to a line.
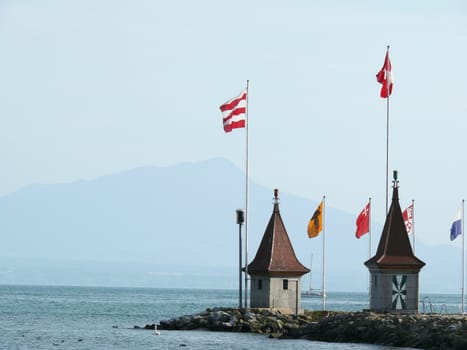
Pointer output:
x,y
394,268
275,271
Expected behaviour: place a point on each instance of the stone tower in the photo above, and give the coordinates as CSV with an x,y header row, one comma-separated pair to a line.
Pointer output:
x,y
275,271
394,269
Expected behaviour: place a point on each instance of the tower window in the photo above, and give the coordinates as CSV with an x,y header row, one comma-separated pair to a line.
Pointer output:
x,y
376,281
260,284
285,284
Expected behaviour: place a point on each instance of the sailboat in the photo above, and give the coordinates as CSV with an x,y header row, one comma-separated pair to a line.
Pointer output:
x,y
312,292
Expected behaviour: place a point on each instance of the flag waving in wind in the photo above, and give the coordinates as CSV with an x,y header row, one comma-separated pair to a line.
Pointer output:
x,y
315,226
407,214
456,227
363,222
234,112
384,77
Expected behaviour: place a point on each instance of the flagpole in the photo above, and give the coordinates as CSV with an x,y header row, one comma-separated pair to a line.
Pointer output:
x,y
387,152
246,198
369,228
324,254
413,225
413,240
463,256
369,250
387,141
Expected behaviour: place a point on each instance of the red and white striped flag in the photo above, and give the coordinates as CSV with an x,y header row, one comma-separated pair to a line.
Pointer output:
x,y
407,214
234,112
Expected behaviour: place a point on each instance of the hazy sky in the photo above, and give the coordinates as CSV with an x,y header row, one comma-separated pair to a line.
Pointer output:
x,y
89,88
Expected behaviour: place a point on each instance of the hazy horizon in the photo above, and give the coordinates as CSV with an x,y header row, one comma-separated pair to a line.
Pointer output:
x,y
175,226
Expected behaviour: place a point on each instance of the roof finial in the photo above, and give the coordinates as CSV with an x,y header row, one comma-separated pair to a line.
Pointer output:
x,y
395,180
276,196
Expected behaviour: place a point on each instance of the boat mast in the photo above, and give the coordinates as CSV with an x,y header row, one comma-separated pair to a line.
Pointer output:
x,y
311,271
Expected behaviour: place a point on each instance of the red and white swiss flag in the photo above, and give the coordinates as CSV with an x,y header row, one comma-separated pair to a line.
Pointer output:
x,y
234,112
363,222
385,77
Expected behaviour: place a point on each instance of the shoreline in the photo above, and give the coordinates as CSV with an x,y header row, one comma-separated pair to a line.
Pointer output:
x,y
423,331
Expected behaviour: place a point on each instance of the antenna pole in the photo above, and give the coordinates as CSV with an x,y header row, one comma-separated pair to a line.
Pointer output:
x,y
240,221
240,266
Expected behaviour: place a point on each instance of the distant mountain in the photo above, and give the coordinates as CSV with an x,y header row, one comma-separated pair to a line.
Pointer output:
x,y
175,227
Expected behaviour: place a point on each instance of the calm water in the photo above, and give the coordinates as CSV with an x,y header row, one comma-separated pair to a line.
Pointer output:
x,y
33,317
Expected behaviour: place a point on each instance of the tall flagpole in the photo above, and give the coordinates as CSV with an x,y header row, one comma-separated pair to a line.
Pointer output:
x,y
387,141
387,152
463,255
369,231
413,225
369,250
246,197
413,240
324,254
387,144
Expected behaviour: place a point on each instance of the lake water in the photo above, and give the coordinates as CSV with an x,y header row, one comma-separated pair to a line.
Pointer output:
x,y
39,317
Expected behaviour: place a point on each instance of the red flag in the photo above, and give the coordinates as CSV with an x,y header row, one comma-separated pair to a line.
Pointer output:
x,y
384,77
407,214
234,112
363,222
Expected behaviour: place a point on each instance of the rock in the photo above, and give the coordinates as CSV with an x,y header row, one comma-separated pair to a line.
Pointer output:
x,y
248,316
420,331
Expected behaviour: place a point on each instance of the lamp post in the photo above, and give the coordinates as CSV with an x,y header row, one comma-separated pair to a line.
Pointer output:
x,y
240,221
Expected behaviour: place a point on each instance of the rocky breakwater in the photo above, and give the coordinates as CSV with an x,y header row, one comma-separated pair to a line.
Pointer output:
x,y
417,331
260,321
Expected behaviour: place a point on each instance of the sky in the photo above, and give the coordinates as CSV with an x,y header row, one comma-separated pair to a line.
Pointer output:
x,y
89,88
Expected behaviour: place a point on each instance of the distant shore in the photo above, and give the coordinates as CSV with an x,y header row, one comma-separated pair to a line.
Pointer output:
x,y
423,331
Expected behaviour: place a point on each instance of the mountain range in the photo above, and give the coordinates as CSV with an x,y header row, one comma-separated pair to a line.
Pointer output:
x,y
175,227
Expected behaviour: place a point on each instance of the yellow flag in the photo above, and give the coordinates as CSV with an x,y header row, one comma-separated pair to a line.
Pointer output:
x,y
315,226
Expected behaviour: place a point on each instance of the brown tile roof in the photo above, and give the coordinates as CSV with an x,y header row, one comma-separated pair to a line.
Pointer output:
x,y
394,249
275,255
